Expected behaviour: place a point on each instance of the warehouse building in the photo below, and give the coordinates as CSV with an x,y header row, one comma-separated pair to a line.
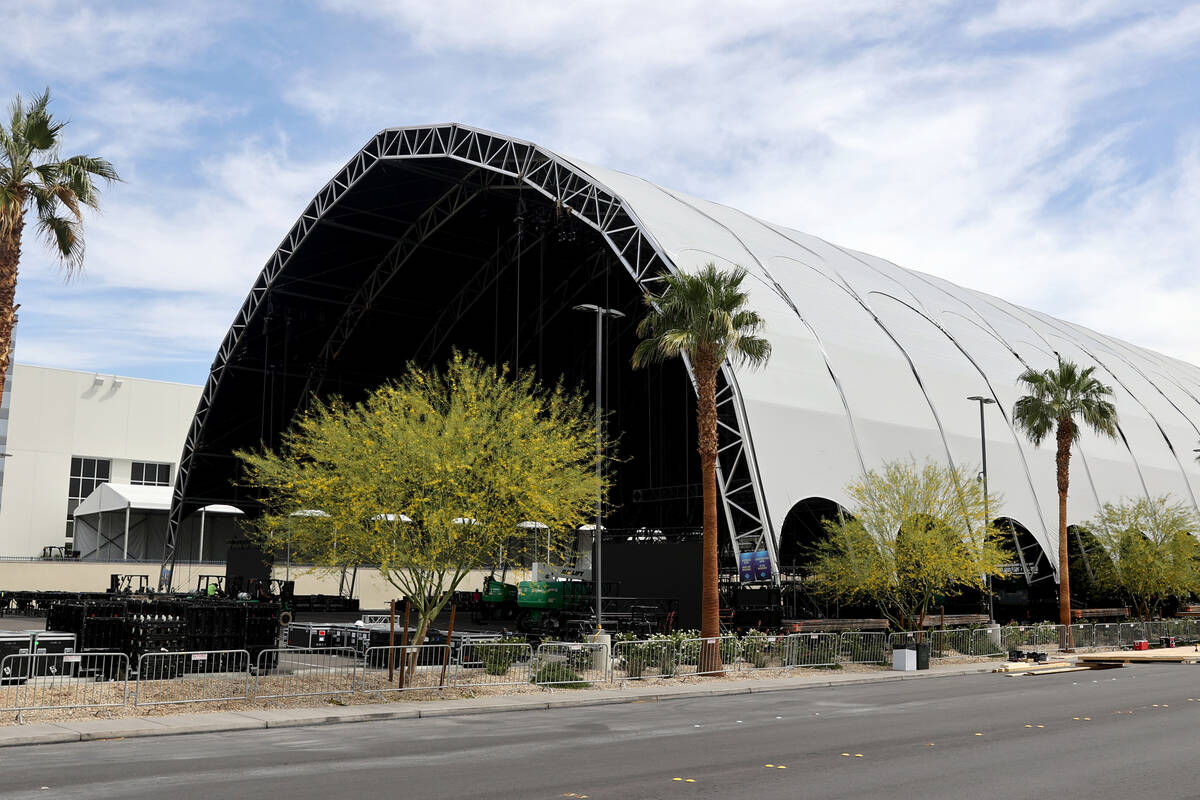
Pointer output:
x,y
447,236
88,462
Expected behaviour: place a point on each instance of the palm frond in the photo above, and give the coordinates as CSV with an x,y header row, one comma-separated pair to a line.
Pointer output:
x,y
63,236
1063,394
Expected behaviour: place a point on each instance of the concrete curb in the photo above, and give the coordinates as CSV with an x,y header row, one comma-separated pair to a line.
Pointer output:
x,y
221,721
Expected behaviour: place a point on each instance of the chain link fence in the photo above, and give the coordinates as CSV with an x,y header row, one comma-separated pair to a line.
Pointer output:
x,y
300,671
196,676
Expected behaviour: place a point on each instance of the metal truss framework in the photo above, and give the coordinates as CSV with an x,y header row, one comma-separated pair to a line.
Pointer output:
x,y
572,192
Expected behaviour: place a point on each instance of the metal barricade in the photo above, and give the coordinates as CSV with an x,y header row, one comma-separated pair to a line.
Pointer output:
x,y
1052,638
906,639
63,680
857,647
494,664
812,650
402,668
1083,636
949,643
299,671
760,651
1106,636
1131,632
571,664
652,658
987,642
707,656
193,676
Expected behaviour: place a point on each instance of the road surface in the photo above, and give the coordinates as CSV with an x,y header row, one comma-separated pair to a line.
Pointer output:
x,y
1131,732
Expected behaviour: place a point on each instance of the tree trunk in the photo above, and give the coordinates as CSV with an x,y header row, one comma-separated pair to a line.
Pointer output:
x,y
705,365
10,258
1066,433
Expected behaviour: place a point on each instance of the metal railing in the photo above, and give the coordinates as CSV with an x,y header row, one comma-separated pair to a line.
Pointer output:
x,y
300,671
813,650
559,663
93,680
760,651
63,680
494,664
194,676
648,658
696,656
859,647
401,668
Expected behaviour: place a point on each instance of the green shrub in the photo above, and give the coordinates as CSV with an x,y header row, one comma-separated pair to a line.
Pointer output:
x,y
499,655
560,674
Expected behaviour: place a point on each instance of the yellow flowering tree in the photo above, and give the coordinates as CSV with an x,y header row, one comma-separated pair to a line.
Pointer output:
x,y
429,477
1148,552
913,533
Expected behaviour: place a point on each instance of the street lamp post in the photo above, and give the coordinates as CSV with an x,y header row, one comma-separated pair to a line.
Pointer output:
x,y
600,313
987,516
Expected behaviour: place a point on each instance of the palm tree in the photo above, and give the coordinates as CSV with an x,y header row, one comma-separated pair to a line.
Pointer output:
x,y
33,177
1057,397
703,317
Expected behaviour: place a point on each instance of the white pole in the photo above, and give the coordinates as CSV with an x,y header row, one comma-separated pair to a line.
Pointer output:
x,y
127,506
200,555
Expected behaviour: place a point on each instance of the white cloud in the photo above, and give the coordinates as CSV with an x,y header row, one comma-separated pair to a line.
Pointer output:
x,y
884,127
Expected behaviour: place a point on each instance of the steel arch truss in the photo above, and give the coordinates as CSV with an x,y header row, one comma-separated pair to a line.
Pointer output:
x,y
572,192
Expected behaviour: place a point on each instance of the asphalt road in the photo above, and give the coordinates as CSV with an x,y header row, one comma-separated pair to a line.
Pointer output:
x,y
1126,733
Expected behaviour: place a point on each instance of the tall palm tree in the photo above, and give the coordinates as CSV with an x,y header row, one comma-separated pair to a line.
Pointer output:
x,y
33,177
703,317
1057,398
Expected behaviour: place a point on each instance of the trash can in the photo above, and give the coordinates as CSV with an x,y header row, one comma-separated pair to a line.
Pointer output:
x,y
904,657
922,655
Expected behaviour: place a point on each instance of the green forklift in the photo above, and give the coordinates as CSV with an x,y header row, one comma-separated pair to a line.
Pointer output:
x,y
543,607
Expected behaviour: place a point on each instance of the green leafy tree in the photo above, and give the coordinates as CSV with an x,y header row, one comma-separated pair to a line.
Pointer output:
x,y
1057,398
704,317
429,477
912,534
1148,553
33,177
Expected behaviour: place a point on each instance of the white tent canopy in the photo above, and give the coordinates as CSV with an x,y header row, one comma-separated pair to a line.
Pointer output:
x,y
130,509
120,496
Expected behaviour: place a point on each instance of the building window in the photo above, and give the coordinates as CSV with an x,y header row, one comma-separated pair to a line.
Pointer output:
x,y
86,475
147,473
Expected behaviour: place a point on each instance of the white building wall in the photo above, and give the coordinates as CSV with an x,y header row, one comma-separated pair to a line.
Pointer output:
x,y
57,414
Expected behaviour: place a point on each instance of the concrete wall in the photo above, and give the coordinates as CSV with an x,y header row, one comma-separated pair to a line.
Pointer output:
x,y
57,414
81,576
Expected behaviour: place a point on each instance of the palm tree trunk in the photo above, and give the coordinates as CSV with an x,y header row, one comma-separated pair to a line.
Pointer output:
x,y
705,366
1066,430
10,257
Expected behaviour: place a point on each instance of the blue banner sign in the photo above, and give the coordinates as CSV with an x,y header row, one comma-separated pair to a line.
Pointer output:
x,y
746,567
762,565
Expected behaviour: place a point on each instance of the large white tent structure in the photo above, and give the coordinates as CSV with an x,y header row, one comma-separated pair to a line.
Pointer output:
x,y
416,245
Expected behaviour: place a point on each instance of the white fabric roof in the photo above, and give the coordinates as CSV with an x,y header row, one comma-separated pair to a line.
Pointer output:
x,y
874,362
119,496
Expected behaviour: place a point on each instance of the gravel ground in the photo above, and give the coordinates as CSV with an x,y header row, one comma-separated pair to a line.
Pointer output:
x,y
220,684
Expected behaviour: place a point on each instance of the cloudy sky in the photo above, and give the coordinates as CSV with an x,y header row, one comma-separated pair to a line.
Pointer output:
x,y
1045,151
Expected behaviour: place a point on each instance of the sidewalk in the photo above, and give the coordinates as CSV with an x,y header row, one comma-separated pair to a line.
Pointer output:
x,y
212,722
